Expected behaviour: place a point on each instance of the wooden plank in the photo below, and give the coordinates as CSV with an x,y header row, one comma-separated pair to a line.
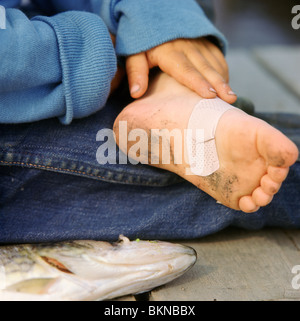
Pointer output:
x,y
238,265
294,236
249,79
283,63
289,243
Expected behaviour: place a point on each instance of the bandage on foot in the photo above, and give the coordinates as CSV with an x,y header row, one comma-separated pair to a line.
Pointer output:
x,y
200,138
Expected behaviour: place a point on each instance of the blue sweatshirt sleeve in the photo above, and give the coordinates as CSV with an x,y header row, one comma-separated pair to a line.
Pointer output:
x,y
60,66
144,24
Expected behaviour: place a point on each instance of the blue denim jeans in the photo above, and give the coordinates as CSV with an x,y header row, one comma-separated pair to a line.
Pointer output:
x,y
52,188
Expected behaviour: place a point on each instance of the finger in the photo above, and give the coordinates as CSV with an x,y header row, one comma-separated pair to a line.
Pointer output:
x,y
178,66
217,81
137,69
219,65
216,51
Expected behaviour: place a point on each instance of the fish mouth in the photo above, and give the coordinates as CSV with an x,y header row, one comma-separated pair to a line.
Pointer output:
x,y
141,278
150,252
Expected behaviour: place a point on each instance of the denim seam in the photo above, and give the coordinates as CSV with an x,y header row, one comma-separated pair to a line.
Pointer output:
x,y
32,154
65,149
66,170
50,168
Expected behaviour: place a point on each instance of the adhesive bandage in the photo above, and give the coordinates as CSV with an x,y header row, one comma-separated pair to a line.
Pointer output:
x,y
200,139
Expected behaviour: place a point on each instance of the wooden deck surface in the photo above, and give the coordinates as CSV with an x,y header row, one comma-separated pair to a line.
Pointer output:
x,y
239,265
235,264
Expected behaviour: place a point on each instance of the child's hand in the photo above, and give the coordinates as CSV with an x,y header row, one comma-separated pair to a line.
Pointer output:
x,y
195,63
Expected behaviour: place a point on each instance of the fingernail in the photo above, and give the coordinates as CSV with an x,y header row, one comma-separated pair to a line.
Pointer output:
x,y
212,90
231,93
134,89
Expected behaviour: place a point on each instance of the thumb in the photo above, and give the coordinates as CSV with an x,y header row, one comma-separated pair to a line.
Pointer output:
x,y
137,69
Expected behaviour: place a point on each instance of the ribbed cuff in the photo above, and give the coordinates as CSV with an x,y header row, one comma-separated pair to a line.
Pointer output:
x,y
88,61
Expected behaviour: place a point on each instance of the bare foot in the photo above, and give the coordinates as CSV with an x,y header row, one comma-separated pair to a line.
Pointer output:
x,y
254,157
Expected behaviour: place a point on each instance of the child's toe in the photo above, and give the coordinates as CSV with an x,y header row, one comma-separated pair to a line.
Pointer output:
x,y
247,204
269,186
261,198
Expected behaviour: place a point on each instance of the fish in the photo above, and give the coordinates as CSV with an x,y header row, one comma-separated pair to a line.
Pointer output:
x,y
87,270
